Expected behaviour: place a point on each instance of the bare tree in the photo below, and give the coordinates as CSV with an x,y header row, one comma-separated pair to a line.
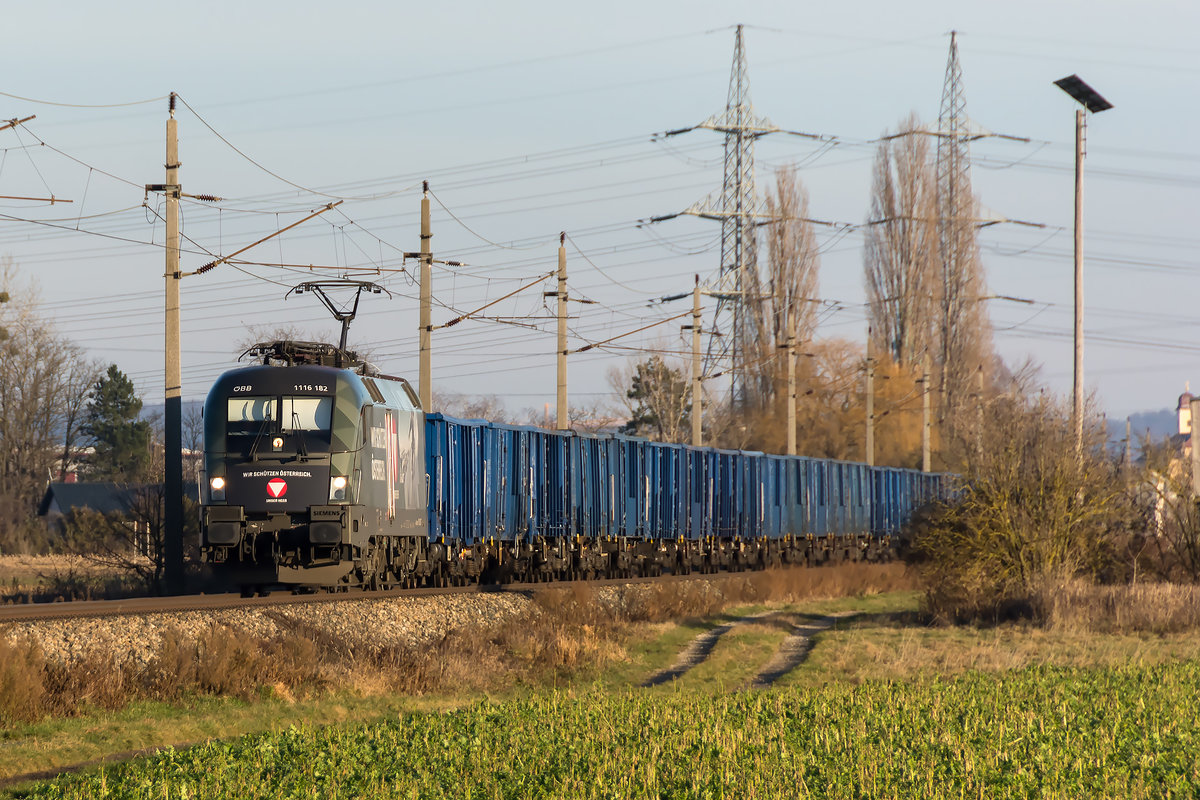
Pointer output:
x,y
962,330
41,377
901,255
78,378
256,333
193,440
793,266
595,418
473,406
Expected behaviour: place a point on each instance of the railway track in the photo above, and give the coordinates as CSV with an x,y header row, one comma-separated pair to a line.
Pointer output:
x,y
79,609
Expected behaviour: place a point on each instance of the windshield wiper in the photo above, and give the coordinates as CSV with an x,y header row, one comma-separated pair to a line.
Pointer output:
x,y
301,446
258,437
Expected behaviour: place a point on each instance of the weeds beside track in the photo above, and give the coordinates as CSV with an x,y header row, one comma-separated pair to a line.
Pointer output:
x,y
567,629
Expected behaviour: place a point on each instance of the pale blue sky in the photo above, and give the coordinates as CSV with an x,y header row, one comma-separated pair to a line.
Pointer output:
x,y
532,118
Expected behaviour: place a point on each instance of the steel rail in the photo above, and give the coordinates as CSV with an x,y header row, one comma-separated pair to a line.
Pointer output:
x,y
132,606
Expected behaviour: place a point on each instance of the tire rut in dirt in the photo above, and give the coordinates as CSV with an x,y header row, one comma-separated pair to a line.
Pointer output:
x,y
697,651
793,650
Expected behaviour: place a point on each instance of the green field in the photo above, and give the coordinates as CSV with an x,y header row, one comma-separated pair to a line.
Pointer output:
x,y
1032,732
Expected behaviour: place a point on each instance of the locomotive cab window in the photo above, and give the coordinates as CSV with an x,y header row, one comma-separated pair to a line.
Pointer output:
x,y
303,425
307,413
247,415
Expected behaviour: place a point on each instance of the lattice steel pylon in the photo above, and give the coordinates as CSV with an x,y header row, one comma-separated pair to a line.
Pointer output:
x,y
737,322
961,334
737,326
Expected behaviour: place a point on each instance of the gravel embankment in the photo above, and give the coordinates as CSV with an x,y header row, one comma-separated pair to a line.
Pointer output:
x,y
402,622
394,622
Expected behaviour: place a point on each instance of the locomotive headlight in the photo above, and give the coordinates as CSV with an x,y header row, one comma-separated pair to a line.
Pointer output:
x,y
337,487
217,487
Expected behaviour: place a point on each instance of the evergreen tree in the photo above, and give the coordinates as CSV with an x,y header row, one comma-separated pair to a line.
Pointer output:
x,y
122,441
659,401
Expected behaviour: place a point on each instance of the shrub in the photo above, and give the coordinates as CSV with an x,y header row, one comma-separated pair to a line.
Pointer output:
x,y
1032,513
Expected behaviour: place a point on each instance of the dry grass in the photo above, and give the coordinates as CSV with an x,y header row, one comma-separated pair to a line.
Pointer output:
x,y
801,583
1075,624
220,662
683,600
1158,608
25,578
568,631
895,650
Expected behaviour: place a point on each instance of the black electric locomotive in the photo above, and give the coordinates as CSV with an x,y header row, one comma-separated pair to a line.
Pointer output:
x,y
314,474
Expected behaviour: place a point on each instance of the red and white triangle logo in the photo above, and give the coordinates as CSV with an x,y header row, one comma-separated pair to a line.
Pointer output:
x,y
277,487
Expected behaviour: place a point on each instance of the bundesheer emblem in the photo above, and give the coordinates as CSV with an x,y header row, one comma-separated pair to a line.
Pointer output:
x,y
277,487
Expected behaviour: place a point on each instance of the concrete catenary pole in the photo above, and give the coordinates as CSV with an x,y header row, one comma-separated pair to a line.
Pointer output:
x,y
561,410
173,410
1128,446
697,388
870,444
979,411
791,376
1077,382
926,417
426,371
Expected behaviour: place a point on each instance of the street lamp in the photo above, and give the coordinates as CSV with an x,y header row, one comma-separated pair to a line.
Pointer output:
x,y
1091,101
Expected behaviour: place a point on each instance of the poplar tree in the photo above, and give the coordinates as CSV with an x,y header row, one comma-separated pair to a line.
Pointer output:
x,y
901,258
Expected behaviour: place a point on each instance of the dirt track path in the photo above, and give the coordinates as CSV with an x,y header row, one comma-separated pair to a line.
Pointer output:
x,y
698,651
791,653
793,650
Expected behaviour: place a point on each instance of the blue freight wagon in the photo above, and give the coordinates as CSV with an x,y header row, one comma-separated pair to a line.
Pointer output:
x,y
535,502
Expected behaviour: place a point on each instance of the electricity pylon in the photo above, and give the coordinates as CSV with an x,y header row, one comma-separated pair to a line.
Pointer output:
x,y
737,322
961,336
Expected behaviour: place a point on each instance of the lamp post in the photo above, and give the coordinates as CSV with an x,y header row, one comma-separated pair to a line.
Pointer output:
x,y
1091,101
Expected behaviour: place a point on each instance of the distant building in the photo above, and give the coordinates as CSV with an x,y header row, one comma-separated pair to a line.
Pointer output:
x,y
1172,485
61,499
1182,440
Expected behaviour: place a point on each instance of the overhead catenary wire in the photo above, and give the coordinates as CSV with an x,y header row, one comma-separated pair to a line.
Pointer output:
x,y
273,174
282,262
83,105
